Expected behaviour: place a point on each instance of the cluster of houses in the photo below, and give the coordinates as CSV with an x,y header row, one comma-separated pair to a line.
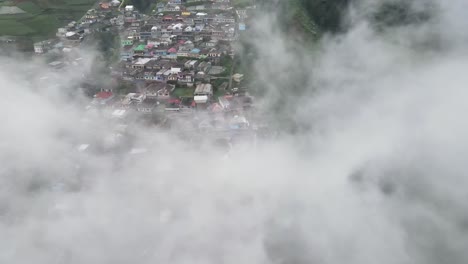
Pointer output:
x,y
180,44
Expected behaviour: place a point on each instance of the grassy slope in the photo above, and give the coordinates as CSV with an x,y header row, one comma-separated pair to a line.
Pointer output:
x,y
42,17
313,17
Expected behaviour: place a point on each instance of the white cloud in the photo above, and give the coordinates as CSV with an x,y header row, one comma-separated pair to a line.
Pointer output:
x,y
376,175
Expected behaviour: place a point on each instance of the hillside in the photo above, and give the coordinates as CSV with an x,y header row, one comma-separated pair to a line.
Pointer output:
x,y
39,19
308,18
325,15
314,17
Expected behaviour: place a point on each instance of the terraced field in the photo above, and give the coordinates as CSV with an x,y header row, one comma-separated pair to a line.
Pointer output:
x,y
41,18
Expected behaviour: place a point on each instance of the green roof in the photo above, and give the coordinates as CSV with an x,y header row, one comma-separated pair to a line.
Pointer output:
x,y
127,42
140,48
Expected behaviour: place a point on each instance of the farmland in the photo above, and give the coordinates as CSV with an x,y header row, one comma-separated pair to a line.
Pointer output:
x,y
41,18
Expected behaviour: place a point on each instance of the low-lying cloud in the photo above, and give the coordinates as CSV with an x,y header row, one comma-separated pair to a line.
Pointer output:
x,y
377,174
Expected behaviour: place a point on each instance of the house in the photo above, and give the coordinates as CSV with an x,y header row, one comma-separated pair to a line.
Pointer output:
x,y
195,53
242,13
191,64
182,53
171,54
213,53
173,105
173,77
140,49
203,93
131,99
158,90
126,53
115,3
238,77
224,102
141,63
146,32
155,32
127,42
167,19
104,5
147,106
129,8
102,98
212,43
186,77
204,67
72,39
223,19
43,46
166,38
171,8
160,6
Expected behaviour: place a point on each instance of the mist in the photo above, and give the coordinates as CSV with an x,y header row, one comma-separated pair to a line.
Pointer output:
x,y
375,171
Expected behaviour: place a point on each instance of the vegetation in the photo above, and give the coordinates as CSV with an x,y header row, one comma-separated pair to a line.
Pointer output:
x,y
183,91
107,43
308,18
124,87
241,3
201,2
326,15
141,5
400,13
42,17
227,63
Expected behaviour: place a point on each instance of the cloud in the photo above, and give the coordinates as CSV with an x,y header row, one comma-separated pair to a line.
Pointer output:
x,y
374,170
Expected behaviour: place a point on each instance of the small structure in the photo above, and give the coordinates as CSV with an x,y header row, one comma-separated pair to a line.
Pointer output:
x,y
43,46
159,90
104,5
115,3
238,77
173,105
147,105
132,99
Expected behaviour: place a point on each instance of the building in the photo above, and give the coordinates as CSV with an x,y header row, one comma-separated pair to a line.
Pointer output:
x,y
103,98
43,46
141,63
203,93
147,106
238,77
158,90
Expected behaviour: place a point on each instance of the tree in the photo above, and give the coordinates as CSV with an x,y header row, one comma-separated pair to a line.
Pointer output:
x,y
141,5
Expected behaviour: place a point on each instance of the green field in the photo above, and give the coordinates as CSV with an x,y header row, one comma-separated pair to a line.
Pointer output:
x,y
42,17
183,92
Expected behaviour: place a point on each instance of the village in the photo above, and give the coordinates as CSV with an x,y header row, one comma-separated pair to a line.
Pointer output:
x,y
177,65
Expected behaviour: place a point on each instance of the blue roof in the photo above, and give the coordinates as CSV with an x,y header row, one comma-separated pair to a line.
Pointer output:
x,y
195,51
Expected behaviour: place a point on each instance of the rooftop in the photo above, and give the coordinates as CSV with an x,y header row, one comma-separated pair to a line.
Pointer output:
x,y
140,47
103,95
142,61
204,88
